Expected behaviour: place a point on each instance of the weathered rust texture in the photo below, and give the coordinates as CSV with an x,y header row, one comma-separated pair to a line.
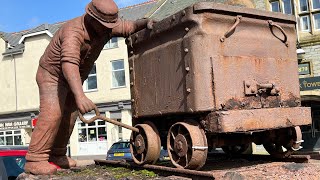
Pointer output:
x,y
254,120
199,59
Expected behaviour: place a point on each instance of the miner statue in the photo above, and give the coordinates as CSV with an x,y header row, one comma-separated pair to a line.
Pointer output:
x,y
65,64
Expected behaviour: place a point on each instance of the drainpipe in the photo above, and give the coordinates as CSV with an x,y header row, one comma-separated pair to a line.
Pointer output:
x,y
15,80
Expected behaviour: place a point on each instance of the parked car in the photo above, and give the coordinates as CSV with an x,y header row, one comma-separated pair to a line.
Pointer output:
x,y
12,161
121,150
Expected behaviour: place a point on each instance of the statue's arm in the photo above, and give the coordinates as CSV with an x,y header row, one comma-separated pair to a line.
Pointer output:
x,y
70,59
126,28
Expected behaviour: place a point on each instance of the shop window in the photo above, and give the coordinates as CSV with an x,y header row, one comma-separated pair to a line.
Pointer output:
x,y
10,138
93,132
90,84
118,74
284,6
309,15
112,43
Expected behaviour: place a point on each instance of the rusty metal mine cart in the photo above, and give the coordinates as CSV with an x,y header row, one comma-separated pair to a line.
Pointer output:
x,y
213,76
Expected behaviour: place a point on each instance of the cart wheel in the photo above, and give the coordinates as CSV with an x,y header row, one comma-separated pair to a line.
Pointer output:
x,y
187,145
145,146
294,139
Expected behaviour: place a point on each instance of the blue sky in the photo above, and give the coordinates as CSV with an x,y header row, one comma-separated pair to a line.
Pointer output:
x,y
18,15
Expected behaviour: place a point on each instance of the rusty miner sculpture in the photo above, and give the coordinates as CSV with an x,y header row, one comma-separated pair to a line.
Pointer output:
x,y
62,69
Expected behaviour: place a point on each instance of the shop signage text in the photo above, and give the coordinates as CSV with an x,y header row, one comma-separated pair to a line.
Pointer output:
x,y
311,83
15,125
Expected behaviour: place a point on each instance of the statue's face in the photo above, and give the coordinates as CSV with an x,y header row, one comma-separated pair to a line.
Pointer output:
x,y
95,25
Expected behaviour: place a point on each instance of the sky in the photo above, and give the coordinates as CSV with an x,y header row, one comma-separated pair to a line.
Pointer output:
x,y
19,15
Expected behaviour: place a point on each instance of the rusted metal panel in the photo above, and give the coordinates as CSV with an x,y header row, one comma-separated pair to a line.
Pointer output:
x,y
257,119
200,59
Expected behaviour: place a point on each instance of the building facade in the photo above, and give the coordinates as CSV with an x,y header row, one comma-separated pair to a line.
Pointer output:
x,y
107,86
307,13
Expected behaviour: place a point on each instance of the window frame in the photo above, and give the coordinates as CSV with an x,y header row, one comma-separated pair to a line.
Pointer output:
x,y
314,22
301,23
87,127
85,85
13,135
281,6
124,70
112,45
310,13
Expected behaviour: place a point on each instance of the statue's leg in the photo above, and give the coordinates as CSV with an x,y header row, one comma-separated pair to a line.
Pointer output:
x,y
52,99
59,150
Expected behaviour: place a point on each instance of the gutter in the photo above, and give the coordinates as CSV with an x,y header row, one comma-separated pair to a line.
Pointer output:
x,y
12,53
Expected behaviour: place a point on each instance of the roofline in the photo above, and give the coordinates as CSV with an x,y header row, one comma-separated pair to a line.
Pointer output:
x,y
13,53
35,34
140,4
156,8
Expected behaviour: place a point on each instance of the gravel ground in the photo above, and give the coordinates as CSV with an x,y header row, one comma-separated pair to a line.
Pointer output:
x,y
222,168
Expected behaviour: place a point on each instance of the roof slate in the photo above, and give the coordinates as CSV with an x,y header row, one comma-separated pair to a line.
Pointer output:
x,y
138,11
170,7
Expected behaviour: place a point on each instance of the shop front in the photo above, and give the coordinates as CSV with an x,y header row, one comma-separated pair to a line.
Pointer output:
x,y
310,95
89,141
15,131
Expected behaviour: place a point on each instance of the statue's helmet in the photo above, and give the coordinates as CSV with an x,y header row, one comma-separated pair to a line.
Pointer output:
x,y
104,11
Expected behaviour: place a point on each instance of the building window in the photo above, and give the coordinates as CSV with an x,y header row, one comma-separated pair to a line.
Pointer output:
x,y
309,15
275,6
112,43
284,6
93,132
316,19
10,138
305,23
316,4
90,84
304,7
118,74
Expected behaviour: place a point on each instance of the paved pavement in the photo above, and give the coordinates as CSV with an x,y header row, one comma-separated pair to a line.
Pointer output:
x,y
84,162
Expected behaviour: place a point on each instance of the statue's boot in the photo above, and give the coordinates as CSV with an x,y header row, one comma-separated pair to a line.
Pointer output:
x,y
59,149
63,161
52,100
40,168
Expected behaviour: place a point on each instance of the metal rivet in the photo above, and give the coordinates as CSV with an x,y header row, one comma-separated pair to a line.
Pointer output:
x,y
253,90
187,69
131,68
248,85
189,90
131,52
187,29
132,100
186,50
183,13
131,83
173,17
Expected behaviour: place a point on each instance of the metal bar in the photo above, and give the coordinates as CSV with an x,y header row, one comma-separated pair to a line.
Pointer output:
x,y
155,167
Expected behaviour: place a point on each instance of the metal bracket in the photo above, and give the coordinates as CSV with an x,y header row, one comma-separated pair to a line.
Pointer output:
x,y
254,88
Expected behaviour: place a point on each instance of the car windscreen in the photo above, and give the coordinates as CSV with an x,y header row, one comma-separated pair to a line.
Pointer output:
x,y
122,145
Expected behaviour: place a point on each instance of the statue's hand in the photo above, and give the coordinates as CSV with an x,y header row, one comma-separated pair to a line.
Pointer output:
x,y
84,104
